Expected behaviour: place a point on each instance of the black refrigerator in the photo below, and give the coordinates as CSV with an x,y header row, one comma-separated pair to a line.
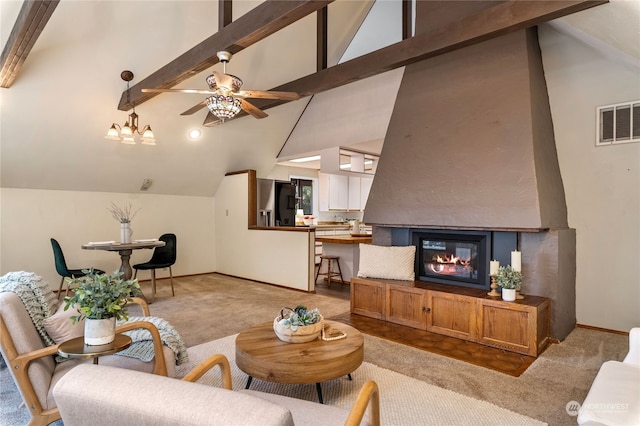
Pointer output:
x,y
285,203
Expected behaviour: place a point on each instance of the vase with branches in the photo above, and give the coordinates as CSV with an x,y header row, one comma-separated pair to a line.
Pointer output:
x,y
124,215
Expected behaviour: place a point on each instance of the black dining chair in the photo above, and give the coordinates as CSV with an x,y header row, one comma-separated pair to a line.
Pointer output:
x,y
163,257
63,270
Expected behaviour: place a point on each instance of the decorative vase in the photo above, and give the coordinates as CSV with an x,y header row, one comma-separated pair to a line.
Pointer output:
x,y
125,232
509,294
302,334
99,331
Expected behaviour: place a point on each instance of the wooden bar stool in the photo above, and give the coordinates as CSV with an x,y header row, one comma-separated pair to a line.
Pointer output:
x,y
330,273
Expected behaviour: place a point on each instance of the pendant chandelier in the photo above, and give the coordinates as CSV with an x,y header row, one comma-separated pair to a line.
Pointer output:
x,y
128,133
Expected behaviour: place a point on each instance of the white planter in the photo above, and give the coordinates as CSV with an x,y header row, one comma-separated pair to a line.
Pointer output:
x,y
509,294
99,331
302,334
125,233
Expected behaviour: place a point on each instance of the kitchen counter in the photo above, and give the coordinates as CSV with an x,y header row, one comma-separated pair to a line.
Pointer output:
x,y
347,247
344,239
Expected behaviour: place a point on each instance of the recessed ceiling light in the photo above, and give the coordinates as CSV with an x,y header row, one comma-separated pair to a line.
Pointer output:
x,y
195,134
305,159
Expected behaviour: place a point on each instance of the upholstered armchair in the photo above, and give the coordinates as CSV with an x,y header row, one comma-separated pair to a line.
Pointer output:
x,y
33,363
96,389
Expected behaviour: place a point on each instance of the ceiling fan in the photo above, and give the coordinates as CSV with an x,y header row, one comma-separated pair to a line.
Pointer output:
x,y
226,99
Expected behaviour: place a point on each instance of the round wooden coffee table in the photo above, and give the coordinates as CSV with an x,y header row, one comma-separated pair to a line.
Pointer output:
x,y
260,354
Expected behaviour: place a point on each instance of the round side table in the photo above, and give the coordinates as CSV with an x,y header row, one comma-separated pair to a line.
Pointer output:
x,y
75,348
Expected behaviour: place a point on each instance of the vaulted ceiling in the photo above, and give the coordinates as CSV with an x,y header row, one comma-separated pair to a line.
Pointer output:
x,y
56,112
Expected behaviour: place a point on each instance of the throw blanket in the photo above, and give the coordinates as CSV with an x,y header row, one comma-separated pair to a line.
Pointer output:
x,y
40,302
142,348
36,295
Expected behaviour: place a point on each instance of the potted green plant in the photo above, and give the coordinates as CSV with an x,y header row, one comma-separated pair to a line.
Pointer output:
x,y
100,300
298,325
510,280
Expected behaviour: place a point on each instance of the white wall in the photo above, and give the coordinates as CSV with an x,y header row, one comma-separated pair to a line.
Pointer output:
x,y
275,257
602,184
31,217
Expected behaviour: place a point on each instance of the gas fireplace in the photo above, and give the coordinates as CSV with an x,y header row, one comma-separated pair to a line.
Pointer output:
x,y
453,257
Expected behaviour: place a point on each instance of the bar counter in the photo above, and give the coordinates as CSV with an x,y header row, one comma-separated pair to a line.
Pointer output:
x,y
348,248
345,239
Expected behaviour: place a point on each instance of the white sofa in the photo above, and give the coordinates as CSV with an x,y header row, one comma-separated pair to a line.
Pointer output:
x,y
614,397
105,396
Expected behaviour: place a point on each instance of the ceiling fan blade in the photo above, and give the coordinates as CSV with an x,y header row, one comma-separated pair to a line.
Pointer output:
x,y
252,109
195,108
196,91
267,94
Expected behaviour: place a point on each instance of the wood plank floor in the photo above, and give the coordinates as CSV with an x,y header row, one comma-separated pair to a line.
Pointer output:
x,y
506,362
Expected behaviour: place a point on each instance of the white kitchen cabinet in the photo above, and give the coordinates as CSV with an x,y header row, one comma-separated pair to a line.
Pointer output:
x,y
354,193
334,192
345,193
365,188
323,192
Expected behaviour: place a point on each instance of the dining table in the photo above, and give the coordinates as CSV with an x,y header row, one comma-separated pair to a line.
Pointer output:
x,y
124,250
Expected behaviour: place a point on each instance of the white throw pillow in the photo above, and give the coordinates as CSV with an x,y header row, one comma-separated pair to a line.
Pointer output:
x,y
61,328
392,263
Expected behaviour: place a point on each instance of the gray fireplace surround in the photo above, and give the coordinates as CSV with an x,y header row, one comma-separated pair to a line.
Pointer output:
x,y
470,146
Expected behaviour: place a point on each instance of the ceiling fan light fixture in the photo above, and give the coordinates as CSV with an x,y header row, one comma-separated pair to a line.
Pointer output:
x,y
224,91
224,106
225,82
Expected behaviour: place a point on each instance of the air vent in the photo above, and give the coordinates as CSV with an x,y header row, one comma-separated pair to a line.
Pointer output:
x,y
619,123
146,184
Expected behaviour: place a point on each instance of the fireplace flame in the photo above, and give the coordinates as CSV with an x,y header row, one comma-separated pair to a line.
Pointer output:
x,y
448,264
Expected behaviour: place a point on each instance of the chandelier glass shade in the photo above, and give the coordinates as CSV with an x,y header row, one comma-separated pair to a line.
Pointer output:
x,y
128,133
224,106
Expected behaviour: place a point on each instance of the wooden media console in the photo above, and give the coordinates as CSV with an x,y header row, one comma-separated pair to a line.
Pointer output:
x,y
469,314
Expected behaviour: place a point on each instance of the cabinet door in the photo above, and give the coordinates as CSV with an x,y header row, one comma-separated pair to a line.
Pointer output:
x,y
367,298
354,193
515,327
338,192
365,188
323,192
452,315
406,306
333,192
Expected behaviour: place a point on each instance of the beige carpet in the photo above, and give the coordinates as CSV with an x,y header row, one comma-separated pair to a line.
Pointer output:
x,y
403,400
212,306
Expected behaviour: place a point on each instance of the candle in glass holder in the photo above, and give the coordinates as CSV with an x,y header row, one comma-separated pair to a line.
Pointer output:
x,y
493,267
516,260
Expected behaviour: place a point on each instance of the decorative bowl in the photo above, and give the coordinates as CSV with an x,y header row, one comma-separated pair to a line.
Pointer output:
x,y
302,334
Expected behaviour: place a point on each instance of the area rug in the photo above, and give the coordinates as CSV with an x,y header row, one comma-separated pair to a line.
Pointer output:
x,y
403,400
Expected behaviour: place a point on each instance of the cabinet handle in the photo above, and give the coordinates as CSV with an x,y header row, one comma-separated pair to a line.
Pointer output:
x,y
425,309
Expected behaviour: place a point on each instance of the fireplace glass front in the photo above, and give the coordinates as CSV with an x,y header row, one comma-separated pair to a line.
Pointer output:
x,y
458,258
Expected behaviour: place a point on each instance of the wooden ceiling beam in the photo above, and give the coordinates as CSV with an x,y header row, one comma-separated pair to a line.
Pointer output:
x,y
407,21
321,38
262,21
33,16
503,18
225,13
